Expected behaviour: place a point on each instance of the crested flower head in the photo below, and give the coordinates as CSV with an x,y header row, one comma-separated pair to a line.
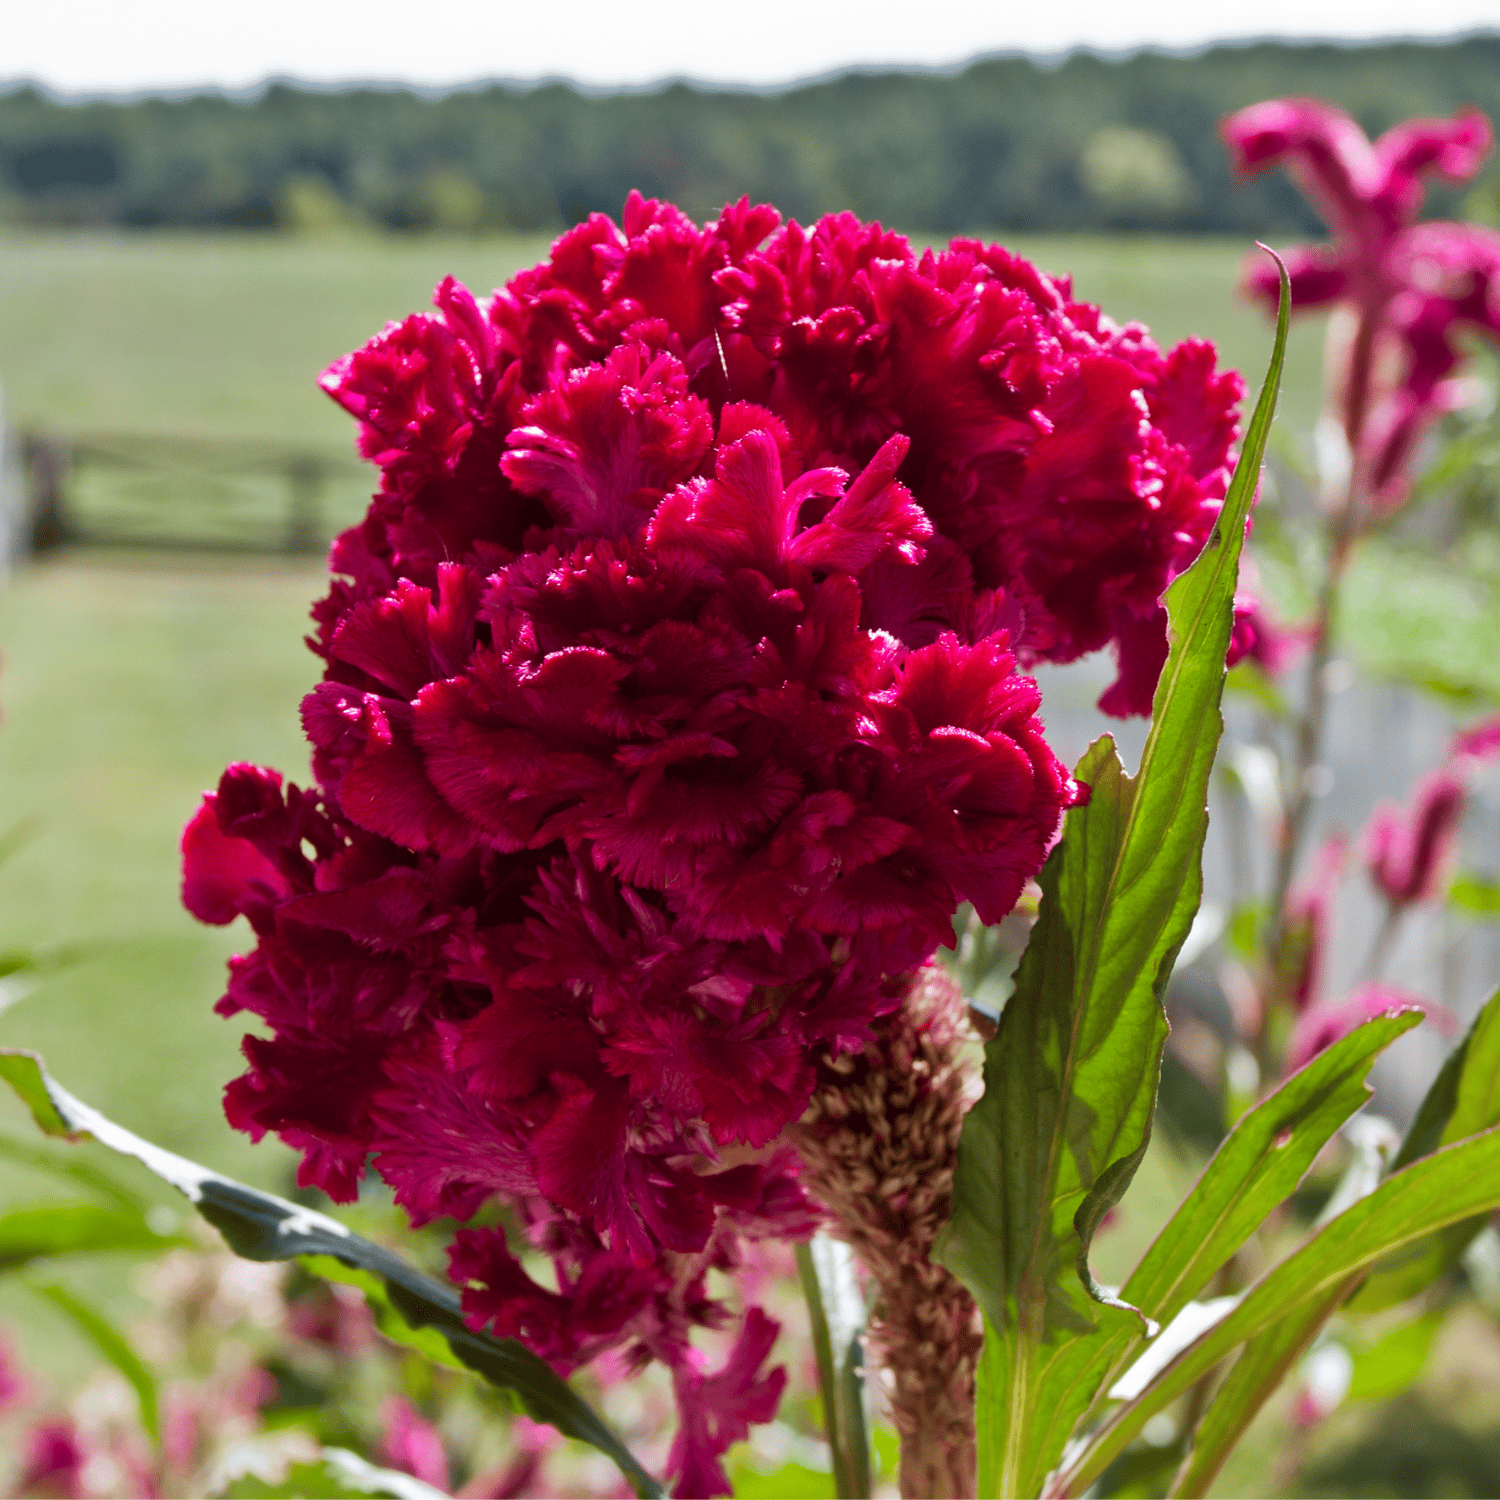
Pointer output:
x,y
674,699
1416,287
1408,852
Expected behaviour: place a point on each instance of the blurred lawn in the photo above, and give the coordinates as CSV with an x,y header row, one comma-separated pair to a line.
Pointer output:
x,y
127,688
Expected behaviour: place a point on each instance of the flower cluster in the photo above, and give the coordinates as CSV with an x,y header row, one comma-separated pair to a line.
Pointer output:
x,y
672,705
1407,855
1414,287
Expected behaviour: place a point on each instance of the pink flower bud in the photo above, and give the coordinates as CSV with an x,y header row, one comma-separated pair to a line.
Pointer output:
x,y
1407,852
1308,917
411,1444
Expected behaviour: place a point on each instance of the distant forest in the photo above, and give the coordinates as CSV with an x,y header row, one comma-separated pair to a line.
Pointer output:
x,y
1006,143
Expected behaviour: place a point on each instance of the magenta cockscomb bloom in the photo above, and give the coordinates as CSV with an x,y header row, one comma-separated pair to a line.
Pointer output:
x,y
1414,287
673,702
1409,852
1061,458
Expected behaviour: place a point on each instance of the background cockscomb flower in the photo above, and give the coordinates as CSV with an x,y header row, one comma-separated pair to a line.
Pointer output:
x,y
1413,287
672,704
1408,852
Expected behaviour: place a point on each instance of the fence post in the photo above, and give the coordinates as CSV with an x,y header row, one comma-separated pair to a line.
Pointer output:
x,y
304,533
13,537
48,461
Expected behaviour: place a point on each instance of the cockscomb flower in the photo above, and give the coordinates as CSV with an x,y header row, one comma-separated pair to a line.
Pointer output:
x,y
673,701
1061,457
1413,287
1408,852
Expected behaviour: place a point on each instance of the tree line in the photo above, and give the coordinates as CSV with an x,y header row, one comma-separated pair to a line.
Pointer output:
x,y
1087,143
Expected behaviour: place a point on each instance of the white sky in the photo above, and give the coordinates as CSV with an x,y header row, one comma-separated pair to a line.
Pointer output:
x,y
116,45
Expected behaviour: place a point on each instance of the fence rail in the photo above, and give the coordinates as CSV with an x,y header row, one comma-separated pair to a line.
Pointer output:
x,y
165,491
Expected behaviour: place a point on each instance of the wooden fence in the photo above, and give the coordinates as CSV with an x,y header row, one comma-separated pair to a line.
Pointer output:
x,y
167,492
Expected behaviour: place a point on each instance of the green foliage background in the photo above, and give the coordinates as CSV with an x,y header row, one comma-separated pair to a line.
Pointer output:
x,y
1085,143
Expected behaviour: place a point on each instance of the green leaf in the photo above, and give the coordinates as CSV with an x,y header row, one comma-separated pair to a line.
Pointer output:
x,y
1455,1184
1071,1077
1257,1372
1259,1166
1268,1356
426,1341
1386,1366
260,1226
336,1475
1475,895
23,1072
835,1312
28,1234
1463,1100
112,1344
790,1479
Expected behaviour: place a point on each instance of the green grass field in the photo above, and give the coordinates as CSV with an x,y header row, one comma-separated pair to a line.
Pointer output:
x,y
224,336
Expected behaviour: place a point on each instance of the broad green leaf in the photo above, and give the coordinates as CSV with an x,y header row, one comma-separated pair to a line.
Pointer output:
x,y
23,1072
1478,897
336,1475
426,1341
1268,1356
835,1312
1071,1077
28,1234
1257,1168
790,1479
112,1344
1448,1187
260,1226
1463,1100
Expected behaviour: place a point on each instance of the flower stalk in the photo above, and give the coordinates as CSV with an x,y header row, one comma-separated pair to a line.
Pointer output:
x,y
879,1144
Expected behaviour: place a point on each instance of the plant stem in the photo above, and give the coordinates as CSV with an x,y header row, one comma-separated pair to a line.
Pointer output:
x,y
1343,532
826,1270
1380,949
